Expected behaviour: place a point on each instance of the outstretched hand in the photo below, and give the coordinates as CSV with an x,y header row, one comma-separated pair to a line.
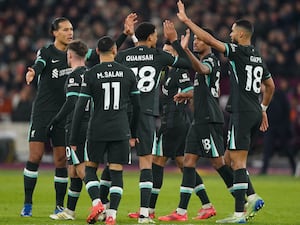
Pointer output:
x,y
130,21
169,31
185,39
181,12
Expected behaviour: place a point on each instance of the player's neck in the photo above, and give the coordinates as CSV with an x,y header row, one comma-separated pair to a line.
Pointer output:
x,y
60,46
77,63
144,43
245,42
107,58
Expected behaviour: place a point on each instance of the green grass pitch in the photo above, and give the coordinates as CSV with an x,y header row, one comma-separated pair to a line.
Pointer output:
x,y
280,192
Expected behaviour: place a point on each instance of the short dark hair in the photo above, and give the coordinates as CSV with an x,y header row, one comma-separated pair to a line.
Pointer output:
x,y
143,31
79,47
245,24
105,44
55,23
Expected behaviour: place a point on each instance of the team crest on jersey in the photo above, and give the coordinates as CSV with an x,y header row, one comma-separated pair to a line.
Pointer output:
x,y
71,80
196,82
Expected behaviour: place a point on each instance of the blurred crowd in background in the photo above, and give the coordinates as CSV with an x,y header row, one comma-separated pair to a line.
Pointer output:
x,y
24,26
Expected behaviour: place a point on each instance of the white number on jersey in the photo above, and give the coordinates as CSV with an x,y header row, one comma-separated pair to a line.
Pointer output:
x,y
254,76
146,76
108,87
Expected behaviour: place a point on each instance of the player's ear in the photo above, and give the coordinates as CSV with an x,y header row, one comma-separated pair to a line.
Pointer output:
x,y
97,51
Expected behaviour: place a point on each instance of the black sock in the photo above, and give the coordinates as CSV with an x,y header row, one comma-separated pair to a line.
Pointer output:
x,y
250,190
91,182
30,175
187,186
146,183
200,190
74,193
116,189
61,184
158,173
105,183
240,185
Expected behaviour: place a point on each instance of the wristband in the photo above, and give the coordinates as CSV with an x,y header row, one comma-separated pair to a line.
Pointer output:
x,y
263,107
134,39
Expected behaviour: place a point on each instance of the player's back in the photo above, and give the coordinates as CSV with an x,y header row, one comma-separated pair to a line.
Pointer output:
x,y
247,72
146,63
72,88
110,85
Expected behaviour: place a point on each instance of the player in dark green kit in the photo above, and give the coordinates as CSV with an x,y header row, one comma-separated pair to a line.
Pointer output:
x,y
175,122
52,70
205,137
247,115
147,61
111,86
76,59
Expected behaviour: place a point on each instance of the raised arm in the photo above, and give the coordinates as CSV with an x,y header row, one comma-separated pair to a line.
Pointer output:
x,y
170,33
196,63
198,31
129,23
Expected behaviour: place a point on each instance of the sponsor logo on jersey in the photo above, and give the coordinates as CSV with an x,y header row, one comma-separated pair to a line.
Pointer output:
x,y
55,73
60,73
185,78
72,82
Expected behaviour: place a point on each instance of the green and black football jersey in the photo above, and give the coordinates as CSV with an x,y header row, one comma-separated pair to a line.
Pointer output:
x,y
147,63
174,81
72,89
207,92
110,86
52,70
247,70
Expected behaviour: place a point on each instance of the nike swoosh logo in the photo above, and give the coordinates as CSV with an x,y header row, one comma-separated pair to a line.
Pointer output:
x,y
54,61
